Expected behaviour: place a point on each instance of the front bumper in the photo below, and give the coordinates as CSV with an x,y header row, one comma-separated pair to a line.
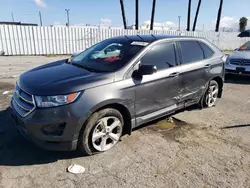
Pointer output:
x,y
237,70
33,126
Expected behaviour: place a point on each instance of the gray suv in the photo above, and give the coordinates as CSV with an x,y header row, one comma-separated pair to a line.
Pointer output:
x,y
89,101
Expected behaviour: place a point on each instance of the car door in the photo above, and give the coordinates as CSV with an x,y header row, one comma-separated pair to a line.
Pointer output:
x,y
157,93
194,70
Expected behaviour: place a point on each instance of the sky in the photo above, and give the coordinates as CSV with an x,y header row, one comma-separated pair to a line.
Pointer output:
x,y
93,11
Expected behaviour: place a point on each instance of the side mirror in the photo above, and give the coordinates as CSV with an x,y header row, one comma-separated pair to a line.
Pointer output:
x,y
235,49
147,69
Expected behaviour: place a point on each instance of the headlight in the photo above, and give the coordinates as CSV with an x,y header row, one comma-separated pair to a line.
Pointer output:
x,y
50,101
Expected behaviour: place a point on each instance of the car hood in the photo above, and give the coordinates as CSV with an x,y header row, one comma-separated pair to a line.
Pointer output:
x,y
61,78
240,55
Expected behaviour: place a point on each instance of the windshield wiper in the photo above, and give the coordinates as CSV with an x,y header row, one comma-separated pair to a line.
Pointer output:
x,y
84,67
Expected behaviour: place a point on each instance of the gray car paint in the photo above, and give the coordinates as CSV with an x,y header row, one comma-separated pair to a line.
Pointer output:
x,y
149,98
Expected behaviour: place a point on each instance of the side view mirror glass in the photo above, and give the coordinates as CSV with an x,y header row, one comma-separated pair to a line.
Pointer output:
x,y
147,69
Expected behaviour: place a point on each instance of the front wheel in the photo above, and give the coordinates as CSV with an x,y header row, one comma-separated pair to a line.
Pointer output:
x,y
102,131
210,97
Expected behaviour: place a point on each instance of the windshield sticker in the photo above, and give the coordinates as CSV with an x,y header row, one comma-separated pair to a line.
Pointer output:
x,y
139,43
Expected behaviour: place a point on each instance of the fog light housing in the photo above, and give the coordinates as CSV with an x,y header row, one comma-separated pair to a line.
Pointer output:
x,y
54,129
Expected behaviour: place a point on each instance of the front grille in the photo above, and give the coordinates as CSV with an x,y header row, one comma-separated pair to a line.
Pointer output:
x,y
22,102
240,62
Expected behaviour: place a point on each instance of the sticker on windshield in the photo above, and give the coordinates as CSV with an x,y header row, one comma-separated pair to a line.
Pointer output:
x,y
139,43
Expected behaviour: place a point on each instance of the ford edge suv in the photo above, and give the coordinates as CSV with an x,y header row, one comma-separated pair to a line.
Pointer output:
x,y
89,101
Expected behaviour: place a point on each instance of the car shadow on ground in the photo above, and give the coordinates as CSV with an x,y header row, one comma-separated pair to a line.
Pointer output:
x,y
235,79
15,150
236,126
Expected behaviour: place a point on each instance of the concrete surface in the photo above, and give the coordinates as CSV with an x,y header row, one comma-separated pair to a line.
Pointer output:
x,y
203,148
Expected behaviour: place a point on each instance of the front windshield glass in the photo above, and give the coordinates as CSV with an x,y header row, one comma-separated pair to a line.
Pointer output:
x,y
245,46
108,55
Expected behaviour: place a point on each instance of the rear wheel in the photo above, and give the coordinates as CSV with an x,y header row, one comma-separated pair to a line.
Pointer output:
x,y
102,131
210,97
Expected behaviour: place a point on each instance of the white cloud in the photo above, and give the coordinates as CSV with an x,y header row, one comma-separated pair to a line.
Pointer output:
x,y
104,22
166,25
40,3
230,23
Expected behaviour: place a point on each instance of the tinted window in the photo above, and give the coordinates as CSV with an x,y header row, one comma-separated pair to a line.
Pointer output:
x,y
207,50
161,55
191,52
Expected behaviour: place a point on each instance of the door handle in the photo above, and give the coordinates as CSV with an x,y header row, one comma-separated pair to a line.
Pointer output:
x,y
174,74
207,65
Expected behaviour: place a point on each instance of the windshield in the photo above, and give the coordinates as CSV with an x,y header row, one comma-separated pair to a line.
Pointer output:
x,y
108,55
245,46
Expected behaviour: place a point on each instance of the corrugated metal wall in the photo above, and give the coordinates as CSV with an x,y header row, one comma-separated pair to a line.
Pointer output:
x,y
36,40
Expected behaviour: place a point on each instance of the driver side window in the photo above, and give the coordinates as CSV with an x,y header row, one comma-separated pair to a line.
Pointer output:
x,y
162,55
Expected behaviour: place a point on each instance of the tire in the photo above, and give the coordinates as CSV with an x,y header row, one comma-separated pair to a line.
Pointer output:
x,y
95,134
210,97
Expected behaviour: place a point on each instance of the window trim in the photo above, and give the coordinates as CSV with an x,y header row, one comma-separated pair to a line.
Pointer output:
x,y
199,42
180,52
177,58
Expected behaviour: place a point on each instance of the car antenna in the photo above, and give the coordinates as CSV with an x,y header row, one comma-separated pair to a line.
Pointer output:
x,y
153,36
128,38
140,38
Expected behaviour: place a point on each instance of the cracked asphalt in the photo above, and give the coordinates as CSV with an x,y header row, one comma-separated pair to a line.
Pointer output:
x,y
203,148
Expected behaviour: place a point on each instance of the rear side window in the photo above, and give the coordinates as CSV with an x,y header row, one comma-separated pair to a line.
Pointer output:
x,y
161,55
207,50
191,52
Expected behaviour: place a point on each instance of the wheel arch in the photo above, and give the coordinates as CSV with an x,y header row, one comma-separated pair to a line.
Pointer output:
x,y
115,104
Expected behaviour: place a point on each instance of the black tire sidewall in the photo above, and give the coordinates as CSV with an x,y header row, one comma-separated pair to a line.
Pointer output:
x,y
85,138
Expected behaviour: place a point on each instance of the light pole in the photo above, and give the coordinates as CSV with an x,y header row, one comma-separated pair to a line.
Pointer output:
x,y
12,15
67,10
179,28
40,16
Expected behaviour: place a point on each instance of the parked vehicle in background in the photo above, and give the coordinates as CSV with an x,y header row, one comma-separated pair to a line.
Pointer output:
x,y
114,86
238,63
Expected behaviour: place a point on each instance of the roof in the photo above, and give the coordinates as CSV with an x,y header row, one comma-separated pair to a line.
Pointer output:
x,y
148,38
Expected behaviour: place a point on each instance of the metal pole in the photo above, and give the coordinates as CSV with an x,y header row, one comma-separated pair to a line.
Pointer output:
x,y
136,14
12,15
41,21
179,28
123,14
67,10
188,17
152,15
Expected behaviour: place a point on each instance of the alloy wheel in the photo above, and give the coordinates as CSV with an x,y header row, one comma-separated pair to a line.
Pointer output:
x,y
107,133
212,95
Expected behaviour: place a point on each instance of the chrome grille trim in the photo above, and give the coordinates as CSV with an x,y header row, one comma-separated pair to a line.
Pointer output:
x,y
20,96
240,62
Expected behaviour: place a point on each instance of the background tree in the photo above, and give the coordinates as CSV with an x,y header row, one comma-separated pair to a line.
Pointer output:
x,y
243,24
219,16
196,15
188,16
123,14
